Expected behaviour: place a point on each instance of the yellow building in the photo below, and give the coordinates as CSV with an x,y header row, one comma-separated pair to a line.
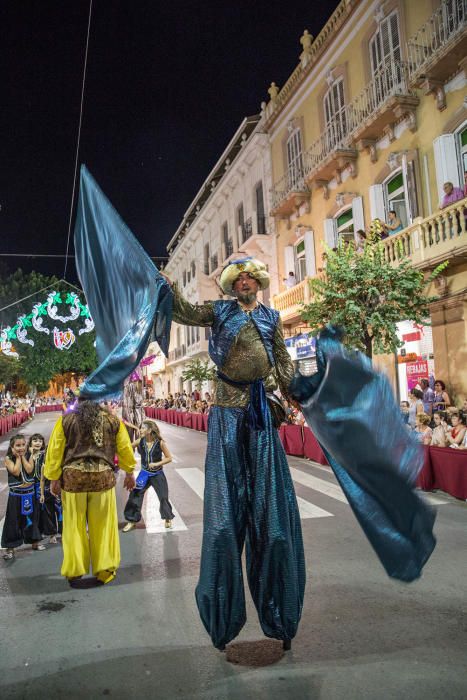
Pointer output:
x,y
374,119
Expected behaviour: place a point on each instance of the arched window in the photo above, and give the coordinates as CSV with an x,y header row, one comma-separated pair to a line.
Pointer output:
x,y
335,114
294,159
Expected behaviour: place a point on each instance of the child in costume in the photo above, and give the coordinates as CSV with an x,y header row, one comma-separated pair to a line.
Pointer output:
x,y
49,506
154,454
22,513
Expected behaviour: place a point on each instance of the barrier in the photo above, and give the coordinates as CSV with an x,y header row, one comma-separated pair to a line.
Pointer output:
x,y
444,468
14,420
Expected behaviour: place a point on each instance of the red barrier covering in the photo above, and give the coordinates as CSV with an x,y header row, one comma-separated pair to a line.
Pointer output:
x,y
12,421
49,409
425,479
293,440
187,420
450,470
311,448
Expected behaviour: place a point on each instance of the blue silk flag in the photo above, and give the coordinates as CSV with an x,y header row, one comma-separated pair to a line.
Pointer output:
x,y
352,412
127,297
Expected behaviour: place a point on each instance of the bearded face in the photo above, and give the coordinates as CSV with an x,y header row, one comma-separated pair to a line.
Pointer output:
x,y
245,288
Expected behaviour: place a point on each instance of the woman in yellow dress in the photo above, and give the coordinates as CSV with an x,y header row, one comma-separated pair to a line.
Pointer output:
x,y
80,466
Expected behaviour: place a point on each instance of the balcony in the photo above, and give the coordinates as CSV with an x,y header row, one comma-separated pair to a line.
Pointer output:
x,y
330,153
386,99
437,48
289,303
430,241
289,192
177,354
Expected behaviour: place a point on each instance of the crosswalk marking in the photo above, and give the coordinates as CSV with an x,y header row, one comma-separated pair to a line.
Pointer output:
x,y
152,517
309,510
312,482
194,478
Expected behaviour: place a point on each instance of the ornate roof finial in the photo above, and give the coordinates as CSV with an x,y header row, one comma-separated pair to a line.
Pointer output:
x,y
273,92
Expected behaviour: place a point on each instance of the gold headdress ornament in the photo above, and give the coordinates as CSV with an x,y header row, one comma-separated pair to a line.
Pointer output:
x,y
255,268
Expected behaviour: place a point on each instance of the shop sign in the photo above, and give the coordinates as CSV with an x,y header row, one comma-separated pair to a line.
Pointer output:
x,y
416,371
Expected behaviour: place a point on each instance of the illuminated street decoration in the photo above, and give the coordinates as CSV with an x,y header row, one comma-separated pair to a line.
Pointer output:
x,y
40,313
63,340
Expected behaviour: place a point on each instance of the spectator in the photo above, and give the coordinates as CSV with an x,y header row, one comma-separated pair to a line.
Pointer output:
x,y
290,281
438,439
415,407
463,411
451,195
428,396
455,437
404,405
422,428
360,241
394,224
441,398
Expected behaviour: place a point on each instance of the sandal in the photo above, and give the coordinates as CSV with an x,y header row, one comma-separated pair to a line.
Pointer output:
x,y
53,539
9,554
39,547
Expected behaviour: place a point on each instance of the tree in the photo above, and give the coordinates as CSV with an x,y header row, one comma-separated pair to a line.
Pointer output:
x,y
9,370
364,295
38,364
198,371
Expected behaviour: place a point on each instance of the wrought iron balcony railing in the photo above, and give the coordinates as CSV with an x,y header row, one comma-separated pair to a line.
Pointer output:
x,y
446,26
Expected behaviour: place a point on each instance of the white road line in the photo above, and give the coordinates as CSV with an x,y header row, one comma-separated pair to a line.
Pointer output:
x,y
2,522
312,482
194,478
432,499
3,487
152,517
309,510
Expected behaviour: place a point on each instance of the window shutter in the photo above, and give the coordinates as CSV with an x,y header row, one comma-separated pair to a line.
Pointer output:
x,y
330,232
377,208
357,214
310,259
289,260
446,165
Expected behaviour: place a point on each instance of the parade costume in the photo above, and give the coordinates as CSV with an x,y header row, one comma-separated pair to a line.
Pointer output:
x,y
248,492
149,476
84,465
50,511
21,524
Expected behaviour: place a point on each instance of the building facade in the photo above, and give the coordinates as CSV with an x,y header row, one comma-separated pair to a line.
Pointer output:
x,y
373,120
229,218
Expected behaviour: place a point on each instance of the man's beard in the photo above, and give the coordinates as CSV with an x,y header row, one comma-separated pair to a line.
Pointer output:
x,y
246,297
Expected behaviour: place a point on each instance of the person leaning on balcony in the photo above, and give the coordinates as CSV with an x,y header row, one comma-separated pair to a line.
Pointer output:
x,y
360,241
451,195
290,281
394,224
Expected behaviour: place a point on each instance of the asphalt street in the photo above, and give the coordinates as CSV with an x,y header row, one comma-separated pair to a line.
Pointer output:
x,y
362,635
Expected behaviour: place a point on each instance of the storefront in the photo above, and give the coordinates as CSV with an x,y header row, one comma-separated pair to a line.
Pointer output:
x,y
302,350
415,358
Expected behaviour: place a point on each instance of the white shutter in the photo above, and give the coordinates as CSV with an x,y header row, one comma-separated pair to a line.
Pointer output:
x,y
406,190
446,166
330,232
310,259
357,214
377,209
289,260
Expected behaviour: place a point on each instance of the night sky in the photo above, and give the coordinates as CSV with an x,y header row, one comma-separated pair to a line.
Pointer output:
x,y
168,83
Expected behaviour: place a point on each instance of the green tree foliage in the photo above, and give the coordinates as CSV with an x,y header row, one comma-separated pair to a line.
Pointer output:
x,y
198,371
366,297
9,369
38,364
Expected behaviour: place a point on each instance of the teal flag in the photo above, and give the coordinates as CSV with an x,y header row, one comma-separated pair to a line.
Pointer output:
x,y
129,300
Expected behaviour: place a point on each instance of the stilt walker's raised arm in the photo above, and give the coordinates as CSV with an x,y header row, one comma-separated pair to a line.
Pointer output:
x,y
130,301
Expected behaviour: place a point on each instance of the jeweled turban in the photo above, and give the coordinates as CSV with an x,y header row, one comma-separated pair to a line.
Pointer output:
x,y
255,268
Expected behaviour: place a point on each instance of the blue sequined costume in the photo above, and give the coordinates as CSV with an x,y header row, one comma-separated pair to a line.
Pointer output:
x,y
249,494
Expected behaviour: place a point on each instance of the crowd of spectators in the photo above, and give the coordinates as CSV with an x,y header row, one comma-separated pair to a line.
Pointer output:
x,y
183,402
429,413
10,403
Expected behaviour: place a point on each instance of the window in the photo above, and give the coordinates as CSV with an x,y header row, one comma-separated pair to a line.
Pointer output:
x,y
227,242
395,195
345,226
188,336
462,135
385,57
335,114
184,278
260,218
206,259
294,159
193,268
300,261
